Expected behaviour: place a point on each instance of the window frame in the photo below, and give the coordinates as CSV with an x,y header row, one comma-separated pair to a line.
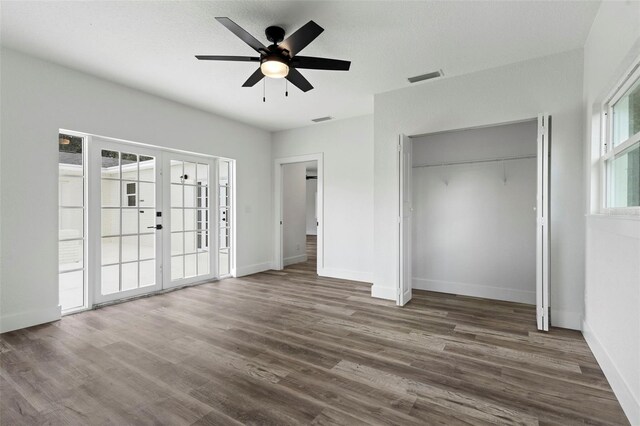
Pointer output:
x,y
608,152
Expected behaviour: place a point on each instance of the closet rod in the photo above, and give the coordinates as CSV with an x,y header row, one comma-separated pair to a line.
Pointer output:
x,y
488,160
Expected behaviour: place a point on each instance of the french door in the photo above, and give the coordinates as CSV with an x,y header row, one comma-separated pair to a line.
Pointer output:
x,y
543,235
149,213
127,250
225,217
190,211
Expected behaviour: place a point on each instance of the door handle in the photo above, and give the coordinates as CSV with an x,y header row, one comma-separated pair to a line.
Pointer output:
x,y
155,227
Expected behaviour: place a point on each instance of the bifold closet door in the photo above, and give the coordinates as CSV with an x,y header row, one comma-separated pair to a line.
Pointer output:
x,y
405,215
543,274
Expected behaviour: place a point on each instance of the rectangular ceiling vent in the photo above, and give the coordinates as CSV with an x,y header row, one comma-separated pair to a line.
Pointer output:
x,y
427,76
321,119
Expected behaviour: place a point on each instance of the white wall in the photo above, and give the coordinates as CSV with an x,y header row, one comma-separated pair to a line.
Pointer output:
x,y
39,98
312,220
474,224
348,191
294,213
510,93
612,293
506,140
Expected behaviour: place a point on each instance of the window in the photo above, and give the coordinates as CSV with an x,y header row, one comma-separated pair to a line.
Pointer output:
x,y
71,227
621,148
131,194
202,215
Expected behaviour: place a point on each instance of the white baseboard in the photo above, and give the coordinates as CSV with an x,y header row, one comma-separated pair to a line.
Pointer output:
x,y
294,259
241,271
475,290
344,274
630,403
388,293
29,318
566,319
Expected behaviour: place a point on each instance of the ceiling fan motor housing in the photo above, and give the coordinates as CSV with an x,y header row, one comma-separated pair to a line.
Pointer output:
x,y
274,56
274,34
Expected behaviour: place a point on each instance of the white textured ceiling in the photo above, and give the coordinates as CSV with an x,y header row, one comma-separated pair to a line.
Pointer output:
x,y
150,45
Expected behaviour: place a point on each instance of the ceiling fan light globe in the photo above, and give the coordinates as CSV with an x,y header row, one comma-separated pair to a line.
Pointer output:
x,y
274,69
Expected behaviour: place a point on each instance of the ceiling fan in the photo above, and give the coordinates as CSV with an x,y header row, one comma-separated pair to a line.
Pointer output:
x,y
280,59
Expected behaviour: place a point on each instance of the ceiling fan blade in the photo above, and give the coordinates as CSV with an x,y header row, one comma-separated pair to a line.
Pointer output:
x,y
242,34
228,58
301,38
311,63
298,80
255,78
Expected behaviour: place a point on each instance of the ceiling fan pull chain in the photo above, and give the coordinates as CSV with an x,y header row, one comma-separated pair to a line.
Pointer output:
x,y
286,88
264,95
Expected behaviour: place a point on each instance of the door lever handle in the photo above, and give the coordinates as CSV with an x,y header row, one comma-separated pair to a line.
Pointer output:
x,y
155,227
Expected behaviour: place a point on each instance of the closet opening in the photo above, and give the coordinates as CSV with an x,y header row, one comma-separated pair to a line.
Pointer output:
x,y
474,213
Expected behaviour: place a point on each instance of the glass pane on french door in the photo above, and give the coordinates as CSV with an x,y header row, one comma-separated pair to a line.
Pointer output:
x,y
130,193
190,205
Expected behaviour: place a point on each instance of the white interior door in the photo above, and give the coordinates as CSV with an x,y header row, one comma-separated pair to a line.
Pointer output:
x,y
124,228
405,216
543,275
191,215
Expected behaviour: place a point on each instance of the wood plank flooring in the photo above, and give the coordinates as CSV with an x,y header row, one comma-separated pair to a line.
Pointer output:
x,y
292,348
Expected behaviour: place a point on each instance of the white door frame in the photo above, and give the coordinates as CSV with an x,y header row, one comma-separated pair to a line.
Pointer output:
x,y
278,262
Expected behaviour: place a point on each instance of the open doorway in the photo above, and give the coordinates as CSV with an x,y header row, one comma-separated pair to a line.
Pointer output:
x,y
311,210
298,193
299,214
474,213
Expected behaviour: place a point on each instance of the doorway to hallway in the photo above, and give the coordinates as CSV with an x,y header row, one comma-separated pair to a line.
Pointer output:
x,y
299,211
298,193
309,266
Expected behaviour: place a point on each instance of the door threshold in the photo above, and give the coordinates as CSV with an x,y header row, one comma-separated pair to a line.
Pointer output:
x,y
155,293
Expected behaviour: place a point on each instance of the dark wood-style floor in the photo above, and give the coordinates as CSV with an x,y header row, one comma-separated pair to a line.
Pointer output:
x,y
292,348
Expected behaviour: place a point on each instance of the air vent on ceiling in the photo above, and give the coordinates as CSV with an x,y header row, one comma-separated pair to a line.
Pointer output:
x,y
427,76
321,119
